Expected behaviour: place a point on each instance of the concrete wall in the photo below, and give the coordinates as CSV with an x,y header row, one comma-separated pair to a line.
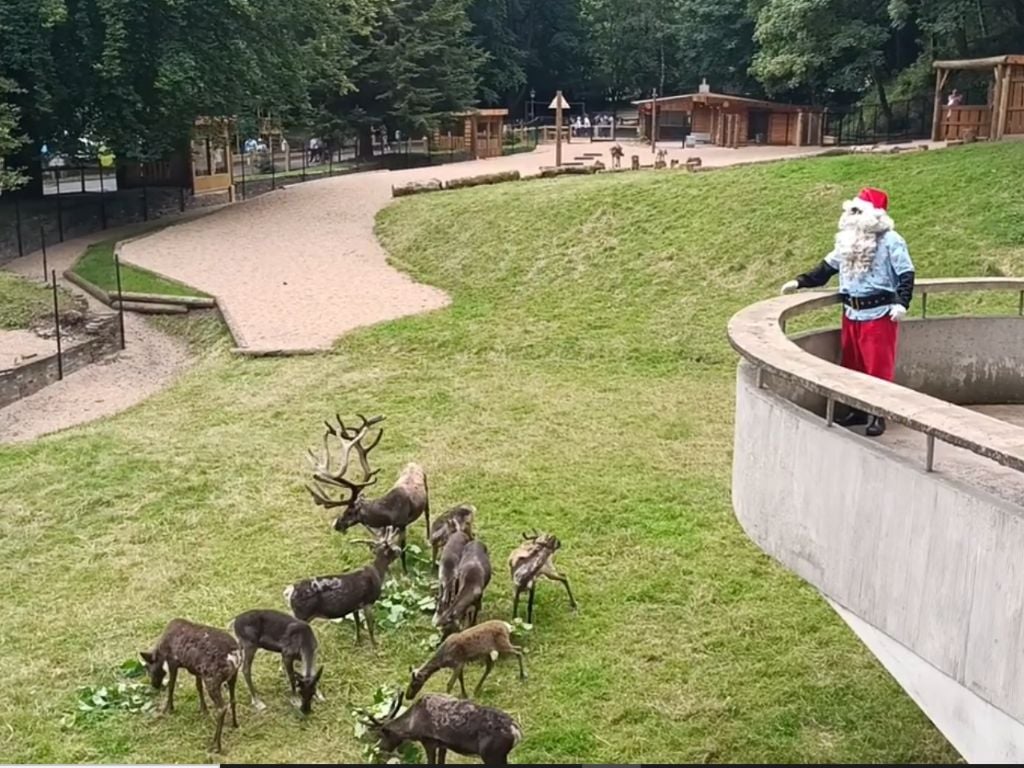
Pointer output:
x,y
963,360
929,562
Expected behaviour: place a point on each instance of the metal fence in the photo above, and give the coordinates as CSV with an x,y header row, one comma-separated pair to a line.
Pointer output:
x,y
84,198
870,124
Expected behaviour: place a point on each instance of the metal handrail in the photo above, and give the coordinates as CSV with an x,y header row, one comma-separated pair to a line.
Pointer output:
x,y
758,334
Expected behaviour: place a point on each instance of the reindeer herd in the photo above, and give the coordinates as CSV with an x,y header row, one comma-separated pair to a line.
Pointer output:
x,y
440,723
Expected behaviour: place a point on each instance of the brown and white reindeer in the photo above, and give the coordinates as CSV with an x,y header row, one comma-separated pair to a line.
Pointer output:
x,y
443,723
484,642
531,560
294,639
210,654
401,506
334,597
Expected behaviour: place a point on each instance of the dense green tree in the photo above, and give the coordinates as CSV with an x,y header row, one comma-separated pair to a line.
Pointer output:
x,y
502,73
11,140
415,63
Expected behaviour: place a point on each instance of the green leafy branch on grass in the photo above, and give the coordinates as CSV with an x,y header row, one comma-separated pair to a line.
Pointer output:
x,y
383,698
131,692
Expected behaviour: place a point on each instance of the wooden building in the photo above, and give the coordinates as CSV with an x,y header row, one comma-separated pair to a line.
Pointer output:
x,y
203,167
482,133
1002,116
730,121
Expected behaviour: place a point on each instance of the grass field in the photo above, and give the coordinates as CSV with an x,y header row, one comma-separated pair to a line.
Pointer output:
x,y
22,301
97,266
580,382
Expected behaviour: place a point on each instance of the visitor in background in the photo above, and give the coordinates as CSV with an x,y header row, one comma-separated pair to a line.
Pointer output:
x,y
586,126
876,284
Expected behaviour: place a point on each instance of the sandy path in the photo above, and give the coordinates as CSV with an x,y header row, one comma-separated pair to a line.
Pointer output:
x,y
150,361
295,269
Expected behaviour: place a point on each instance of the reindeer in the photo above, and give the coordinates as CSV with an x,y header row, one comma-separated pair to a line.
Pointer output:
x,y
334,597
472,576
442,723
617,153
458,518
401,506
447,571
210,654
484,642
293,639
531,560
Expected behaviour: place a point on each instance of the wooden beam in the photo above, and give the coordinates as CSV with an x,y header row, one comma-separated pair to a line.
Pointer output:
x,y
997,89
940,81
1004,102
991,61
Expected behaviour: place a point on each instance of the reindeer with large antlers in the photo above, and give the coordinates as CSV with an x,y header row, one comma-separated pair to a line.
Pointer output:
x,y
402,505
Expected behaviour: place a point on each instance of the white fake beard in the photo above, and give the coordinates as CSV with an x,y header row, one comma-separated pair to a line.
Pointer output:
x,y
857,241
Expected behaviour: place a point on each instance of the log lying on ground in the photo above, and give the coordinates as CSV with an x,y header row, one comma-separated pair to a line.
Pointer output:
x,y
196,302
93,290
417,187
568,170
487,178
150,308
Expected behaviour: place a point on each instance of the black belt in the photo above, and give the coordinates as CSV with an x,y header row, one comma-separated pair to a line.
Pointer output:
x,y
868,302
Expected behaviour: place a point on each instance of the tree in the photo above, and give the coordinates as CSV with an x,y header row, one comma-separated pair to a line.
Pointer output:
x,y
502,72
821,49
11,177
415,63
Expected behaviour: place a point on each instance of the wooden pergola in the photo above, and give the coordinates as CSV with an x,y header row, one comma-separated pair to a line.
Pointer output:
x,y
1001,117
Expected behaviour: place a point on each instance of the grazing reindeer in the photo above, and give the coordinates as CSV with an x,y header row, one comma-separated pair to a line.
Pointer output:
x,y
279,633
531,560
334,597
401,506
485,642
447,571
442,723
210,654
472,576
458,518
617,153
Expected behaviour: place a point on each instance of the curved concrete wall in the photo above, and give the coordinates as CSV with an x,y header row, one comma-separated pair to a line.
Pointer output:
x,y
933,564
963,360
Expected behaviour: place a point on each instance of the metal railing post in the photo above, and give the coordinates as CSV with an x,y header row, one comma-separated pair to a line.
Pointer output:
x,y
56,325
120,297
830,411
42,244
924,305
929,462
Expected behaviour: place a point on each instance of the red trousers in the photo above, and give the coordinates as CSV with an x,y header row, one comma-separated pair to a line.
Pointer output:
x,y
869,346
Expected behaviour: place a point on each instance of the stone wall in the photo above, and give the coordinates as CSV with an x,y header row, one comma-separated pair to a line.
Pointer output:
x,y
99,341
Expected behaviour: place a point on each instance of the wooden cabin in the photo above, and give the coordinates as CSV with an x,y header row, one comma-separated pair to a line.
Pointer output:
x,y
730,121
482,133
1002,116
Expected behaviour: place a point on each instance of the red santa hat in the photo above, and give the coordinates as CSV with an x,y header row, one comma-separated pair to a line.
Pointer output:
x,y
875,198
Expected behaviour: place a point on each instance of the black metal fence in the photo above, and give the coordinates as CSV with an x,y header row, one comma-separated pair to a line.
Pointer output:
x,y
870,124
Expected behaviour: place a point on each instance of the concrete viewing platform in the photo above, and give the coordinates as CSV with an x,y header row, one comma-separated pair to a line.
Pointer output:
x,y
914,538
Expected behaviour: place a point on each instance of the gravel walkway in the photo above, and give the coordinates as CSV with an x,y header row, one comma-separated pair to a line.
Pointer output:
x,y
295,269
150,362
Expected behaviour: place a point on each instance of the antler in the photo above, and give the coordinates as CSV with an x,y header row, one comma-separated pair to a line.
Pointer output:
x,y
350,438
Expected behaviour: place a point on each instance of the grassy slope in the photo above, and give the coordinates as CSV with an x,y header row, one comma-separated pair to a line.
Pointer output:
x,y
580,382
22,301
97,266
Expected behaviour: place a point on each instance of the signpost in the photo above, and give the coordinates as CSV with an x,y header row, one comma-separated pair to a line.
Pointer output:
x,y
558,104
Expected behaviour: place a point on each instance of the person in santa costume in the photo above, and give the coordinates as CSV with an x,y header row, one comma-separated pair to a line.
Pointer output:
x,y
876,284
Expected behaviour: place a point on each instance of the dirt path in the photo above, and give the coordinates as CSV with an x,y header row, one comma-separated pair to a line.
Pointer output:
x,y
150,362
295,269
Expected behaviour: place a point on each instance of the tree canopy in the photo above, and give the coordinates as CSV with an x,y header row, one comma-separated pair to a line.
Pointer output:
x,y
134,74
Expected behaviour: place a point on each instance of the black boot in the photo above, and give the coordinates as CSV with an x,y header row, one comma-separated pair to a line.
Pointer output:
x,y
853,418
876,427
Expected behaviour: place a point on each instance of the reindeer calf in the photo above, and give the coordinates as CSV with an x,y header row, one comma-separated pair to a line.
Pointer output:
x,y
334,597
458,518
531,560
447,571
279,633
484,642
210,654
442,723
